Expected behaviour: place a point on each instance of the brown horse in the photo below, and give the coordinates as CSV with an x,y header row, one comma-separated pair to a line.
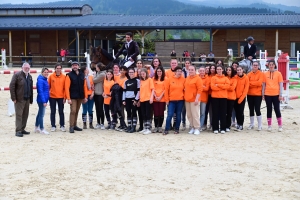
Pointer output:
x,y
100,55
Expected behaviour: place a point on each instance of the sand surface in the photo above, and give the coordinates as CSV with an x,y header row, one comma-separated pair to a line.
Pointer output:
x,y
97,164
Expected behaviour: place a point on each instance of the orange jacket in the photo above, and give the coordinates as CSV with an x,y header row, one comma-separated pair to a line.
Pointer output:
x,y
106,90
255,83
192,87
242,87
231,95
169,73
159,88
57,85
219,85
67,88
209,78
272,80
205,88
90,91
174,89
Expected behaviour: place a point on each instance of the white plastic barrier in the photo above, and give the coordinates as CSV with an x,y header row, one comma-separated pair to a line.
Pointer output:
x,y
3,59
263,59
230,53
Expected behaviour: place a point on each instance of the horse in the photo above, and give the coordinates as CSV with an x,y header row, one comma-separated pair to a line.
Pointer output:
x,y
100,55
246,65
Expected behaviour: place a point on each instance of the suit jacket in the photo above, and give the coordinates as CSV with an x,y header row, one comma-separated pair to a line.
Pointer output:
x,y
132,51
250,52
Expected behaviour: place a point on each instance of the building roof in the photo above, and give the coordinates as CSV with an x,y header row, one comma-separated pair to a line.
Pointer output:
x,y
41,6
119,22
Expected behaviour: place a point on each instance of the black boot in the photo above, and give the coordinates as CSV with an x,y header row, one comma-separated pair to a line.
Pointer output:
x,y
19,134
91,121
128,129
132,130
91,125
84,125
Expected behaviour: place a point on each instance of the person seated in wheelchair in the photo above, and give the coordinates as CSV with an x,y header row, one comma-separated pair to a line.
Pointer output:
x,y
250,49
132,50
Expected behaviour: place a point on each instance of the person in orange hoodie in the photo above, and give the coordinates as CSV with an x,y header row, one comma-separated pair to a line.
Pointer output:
x,y
231,95
192,91
76,93
204,95
241,92
254,97
89,105
159,102
174,95
272,94
107,84
208,109
219,85
57,96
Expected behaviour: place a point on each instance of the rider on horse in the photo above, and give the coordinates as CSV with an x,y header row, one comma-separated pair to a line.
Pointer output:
x,y
132,49
250,49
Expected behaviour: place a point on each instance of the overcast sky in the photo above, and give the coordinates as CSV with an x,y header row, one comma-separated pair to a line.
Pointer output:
x,y
285,2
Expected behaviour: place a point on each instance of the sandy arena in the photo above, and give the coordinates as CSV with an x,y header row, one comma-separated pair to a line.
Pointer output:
x,y
97,164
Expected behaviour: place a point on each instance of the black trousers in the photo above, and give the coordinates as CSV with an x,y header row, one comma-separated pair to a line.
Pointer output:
x,y
130,108
254,103
273,100
99,101
207,109
146,110
219,109
139,109
107,114
60,104
239,111
230,105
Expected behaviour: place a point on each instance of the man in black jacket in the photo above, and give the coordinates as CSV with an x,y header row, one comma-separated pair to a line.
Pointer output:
x,y
250,49
132,49
21,92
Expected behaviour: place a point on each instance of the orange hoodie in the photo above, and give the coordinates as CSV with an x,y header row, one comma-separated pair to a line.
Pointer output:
x,y
205,88
174,89
67,88
242,87
219,85
169,73
57,85
231,95
255,83
192,87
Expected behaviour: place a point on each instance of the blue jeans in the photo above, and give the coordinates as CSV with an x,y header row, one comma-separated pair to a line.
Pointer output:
x,y
88,106
202,113
183,114
174,105
39,121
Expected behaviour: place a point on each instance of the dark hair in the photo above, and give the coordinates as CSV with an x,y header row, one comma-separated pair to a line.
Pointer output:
x,y
44,69
176,68
221,62
241,68
273,61
110,71
235,63
233,72
140,60
221,67
116,64
58,64
124,68
83,68
101,66
209,73
162,75
153,61
131,68
129,33
146,71
188,61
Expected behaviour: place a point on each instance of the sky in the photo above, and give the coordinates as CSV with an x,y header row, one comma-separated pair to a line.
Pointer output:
x,y
285,2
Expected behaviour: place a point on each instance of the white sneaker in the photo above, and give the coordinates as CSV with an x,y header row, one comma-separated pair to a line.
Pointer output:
x,y
192,131
37,130
233,124
147,132
102,127
63,129
269,128
250,127
142,131
216,132
227,130
98,126
222,132
280,129
196,132
53,129
44,132
259,128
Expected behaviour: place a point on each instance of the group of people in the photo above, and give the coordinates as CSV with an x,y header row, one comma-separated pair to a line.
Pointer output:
x,y
145,91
